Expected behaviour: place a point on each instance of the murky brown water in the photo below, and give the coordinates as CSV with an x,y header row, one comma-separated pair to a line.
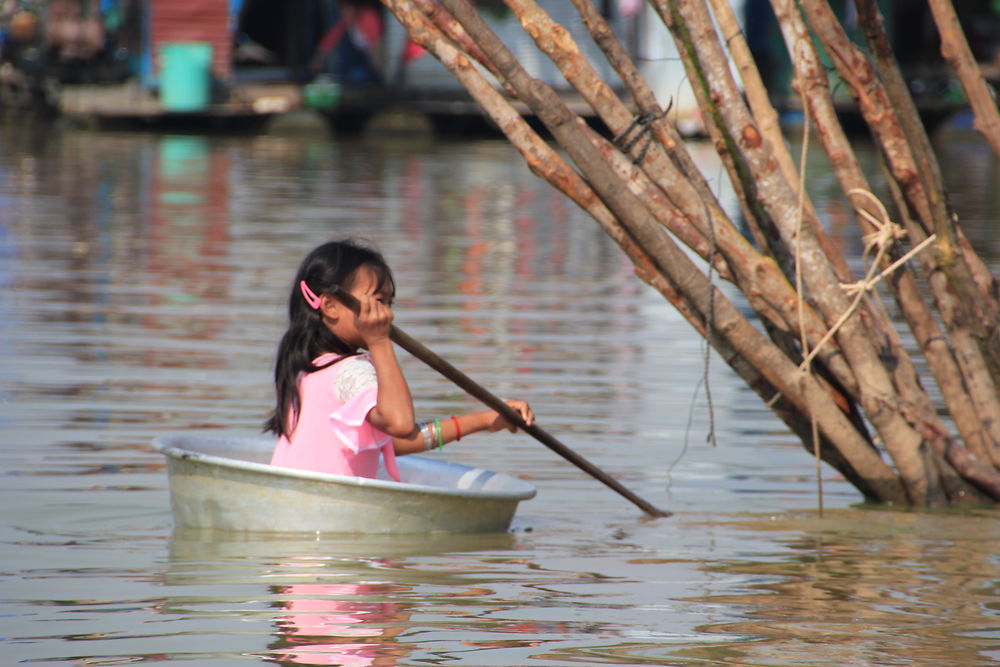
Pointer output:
x,y
143,281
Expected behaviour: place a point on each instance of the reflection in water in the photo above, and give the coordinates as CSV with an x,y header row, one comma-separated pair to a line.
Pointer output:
x,y
872,592
854,588
335,603
189,217
338,624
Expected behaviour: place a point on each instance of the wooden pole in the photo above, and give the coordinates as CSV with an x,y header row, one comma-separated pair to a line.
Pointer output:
x,y
955,50
670,260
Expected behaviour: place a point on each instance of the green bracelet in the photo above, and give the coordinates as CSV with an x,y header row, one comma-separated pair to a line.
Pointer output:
x,y
437,423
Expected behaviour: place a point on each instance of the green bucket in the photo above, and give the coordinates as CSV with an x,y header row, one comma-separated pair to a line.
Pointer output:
x,y
321,95
185,75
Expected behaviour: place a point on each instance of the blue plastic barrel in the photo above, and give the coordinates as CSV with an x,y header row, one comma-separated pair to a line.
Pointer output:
x,y
185,75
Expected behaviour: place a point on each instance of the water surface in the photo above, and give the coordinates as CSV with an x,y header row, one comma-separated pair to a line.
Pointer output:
x,y
144,281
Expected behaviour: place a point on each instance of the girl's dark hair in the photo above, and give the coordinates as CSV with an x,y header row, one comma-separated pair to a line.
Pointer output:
x,y
331,264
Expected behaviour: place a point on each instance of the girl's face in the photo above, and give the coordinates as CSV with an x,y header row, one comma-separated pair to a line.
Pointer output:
x,y
343,322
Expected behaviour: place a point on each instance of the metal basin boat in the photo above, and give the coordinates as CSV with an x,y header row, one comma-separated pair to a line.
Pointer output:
x,y
224,481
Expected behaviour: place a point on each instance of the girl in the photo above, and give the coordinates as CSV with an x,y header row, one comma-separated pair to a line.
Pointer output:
x,y
336,408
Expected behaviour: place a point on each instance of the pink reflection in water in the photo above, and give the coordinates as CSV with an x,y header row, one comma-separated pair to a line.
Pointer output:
x,y
324,622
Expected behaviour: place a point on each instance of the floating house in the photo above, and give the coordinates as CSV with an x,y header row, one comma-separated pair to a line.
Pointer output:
x,y
230,59
182,67
366,54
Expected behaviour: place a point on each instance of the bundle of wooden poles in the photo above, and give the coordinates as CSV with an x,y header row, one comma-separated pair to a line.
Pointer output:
x,y
823,353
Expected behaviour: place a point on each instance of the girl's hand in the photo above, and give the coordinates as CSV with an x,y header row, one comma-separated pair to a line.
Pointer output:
x,y
374,319
497,422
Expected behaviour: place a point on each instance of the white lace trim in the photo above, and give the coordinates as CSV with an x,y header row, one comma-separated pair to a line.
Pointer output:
x,y
355,376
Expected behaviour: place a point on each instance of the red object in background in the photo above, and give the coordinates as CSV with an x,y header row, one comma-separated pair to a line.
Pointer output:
x,y
368,25
412,51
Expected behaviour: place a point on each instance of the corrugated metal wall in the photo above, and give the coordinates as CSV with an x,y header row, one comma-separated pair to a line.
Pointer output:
x,y
193,21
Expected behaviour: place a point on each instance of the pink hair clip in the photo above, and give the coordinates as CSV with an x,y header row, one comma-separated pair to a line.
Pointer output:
x,y
309,295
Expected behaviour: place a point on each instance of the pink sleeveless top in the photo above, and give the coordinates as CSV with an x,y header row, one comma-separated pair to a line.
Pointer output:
x,y
332,434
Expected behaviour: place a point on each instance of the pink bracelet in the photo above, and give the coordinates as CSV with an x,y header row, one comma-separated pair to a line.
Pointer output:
x,y
458,429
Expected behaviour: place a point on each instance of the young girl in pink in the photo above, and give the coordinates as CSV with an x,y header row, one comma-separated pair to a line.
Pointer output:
x,y
339,410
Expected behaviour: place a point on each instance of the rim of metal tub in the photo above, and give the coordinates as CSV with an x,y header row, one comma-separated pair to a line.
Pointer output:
x,y
527,491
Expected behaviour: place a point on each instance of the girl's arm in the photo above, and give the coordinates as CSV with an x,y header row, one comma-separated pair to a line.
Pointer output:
x,y
393,411
473,422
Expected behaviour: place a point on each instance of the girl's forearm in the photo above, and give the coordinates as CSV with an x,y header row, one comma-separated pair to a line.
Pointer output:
x,y
393,411
450,431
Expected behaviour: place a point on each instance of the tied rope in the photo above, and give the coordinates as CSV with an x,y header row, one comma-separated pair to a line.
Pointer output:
x,y
882,239
887,233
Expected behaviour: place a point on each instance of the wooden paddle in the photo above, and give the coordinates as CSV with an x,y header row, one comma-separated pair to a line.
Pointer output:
x,y
476,390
